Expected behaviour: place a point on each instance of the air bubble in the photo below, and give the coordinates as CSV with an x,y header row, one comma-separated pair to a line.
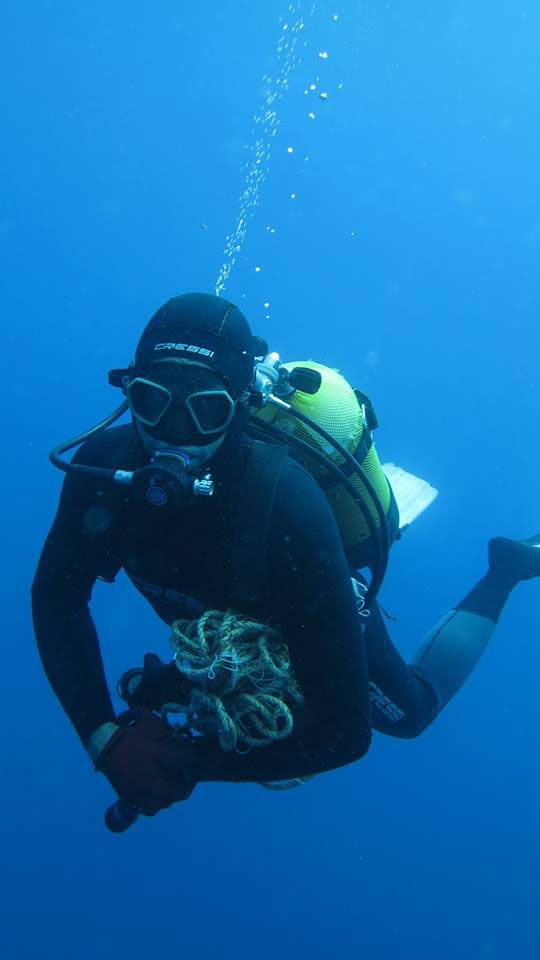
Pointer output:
x,y
265,127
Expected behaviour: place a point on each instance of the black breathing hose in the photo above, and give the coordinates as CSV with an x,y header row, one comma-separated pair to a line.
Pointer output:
x,y
55,455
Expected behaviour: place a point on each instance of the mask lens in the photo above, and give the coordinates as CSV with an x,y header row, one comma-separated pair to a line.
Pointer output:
x,y
212,410
148,401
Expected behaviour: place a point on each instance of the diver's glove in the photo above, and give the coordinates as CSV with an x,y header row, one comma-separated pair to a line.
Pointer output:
x,y
153,685
146,762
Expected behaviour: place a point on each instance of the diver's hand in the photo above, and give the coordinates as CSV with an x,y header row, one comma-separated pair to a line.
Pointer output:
x,y
145,761
153,685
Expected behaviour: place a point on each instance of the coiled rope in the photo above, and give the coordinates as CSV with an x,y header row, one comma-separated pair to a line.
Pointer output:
x,y
240,679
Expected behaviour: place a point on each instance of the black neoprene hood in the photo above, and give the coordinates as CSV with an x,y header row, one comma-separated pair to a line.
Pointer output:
x,y
204,328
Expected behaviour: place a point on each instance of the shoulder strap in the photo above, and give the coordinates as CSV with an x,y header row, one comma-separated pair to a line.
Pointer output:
x,y
254,506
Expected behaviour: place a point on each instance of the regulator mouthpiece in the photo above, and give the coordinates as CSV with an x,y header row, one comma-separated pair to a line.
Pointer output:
x,y
166,483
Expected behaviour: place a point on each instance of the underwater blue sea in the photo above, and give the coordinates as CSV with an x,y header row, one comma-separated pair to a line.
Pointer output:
x,y
362,178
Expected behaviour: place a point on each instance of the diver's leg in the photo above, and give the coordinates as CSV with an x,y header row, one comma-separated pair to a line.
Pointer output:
x,y
453,647
406,698
402,703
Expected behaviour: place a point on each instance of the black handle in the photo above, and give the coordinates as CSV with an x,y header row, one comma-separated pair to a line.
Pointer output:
x,y
120,816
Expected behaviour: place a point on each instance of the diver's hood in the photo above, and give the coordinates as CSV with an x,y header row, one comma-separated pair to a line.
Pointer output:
x,y
201,327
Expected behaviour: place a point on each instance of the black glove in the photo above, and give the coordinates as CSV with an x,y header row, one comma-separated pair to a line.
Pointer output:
x,y
147,762
153,685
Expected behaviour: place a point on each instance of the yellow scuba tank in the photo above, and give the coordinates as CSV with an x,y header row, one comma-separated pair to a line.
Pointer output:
x,y
342,412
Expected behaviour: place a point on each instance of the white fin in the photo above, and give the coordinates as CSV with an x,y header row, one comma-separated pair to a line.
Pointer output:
x,y
412,494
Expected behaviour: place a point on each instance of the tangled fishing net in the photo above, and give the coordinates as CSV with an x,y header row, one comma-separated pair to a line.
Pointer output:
x,y
240,678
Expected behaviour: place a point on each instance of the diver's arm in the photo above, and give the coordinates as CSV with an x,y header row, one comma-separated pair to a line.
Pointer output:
x,y
69,651
65,632
315,606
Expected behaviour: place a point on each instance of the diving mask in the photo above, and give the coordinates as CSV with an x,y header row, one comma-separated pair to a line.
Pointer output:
x,y
178,412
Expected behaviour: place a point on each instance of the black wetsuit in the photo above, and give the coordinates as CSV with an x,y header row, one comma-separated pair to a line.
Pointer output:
x,y
352,678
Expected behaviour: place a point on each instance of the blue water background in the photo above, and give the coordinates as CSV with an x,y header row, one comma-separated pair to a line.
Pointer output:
x,y
125,127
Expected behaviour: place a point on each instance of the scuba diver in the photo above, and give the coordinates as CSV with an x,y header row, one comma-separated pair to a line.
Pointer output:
x,y
222,494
